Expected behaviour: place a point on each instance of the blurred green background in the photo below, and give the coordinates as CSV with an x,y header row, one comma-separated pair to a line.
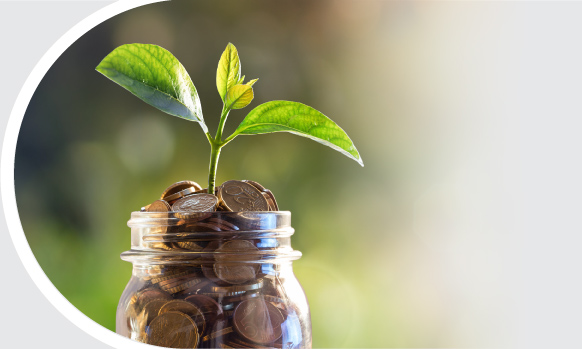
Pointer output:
x,y
89,153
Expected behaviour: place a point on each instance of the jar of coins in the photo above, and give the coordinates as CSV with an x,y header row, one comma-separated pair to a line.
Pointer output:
x,y
215,279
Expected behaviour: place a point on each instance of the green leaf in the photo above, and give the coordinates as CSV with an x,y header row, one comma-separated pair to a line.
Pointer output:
x,y
299,119
228,71
153,74
252,82
239,96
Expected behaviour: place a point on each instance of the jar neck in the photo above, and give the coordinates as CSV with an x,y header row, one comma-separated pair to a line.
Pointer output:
x,y
241,237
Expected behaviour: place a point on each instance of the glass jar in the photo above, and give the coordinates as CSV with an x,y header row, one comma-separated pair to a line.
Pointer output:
x,y
213,280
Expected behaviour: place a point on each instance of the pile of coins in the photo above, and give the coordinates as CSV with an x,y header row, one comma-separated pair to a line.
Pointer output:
x,y
184,309
221,299
233,196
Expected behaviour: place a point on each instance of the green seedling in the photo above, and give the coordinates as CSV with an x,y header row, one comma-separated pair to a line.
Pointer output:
x,y
154,75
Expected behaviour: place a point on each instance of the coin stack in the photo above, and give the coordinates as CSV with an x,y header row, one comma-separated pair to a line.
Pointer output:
x,y
233,196
224,298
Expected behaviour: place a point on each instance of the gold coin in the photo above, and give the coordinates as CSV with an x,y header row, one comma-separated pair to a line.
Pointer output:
x,y
158,206
191,217
271,199
255,184
183,286
266,193
173,330
239,196
175,281
150,310
133,299
148,294
179,186
169,276
180,194
187,308
196,203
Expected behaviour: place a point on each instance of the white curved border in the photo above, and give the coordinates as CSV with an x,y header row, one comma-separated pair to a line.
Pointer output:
x,y
7,175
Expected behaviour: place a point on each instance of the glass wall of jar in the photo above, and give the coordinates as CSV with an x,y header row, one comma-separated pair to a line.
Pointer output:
x,y
213,280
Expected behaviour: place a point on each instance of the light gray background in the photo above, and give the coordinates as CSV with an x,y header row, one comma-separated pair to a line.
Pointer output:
x,y
538,100
27,30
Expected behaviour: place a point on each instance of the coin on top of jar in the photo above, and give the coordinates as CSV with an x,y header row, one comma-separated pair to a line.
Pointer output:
x,y
158,206
266,193
239,196
196,203
178,187
180,194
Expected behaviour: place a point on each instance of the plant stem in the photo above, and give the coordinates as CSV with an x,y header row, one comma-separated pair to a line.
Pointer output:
x,y
214,154
223,116
215,145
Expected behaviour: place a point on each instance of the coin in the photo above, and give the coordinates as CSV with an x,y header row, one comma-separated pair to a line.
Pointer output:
x,y
158,206
229,268
180,194
150,309
210,308
222,294
169,276
239,298
133,299
175,288
254,184
195,288
191,217
258,321
208,268
151,293
173,330
237,288
179,186
196,203
271,199
235,273
266,193
239,196
177,279
187,308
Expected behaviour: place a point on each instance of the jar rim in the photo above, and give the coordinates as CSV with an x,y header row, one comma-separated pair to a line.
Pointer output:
x,y
262,220
155,235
